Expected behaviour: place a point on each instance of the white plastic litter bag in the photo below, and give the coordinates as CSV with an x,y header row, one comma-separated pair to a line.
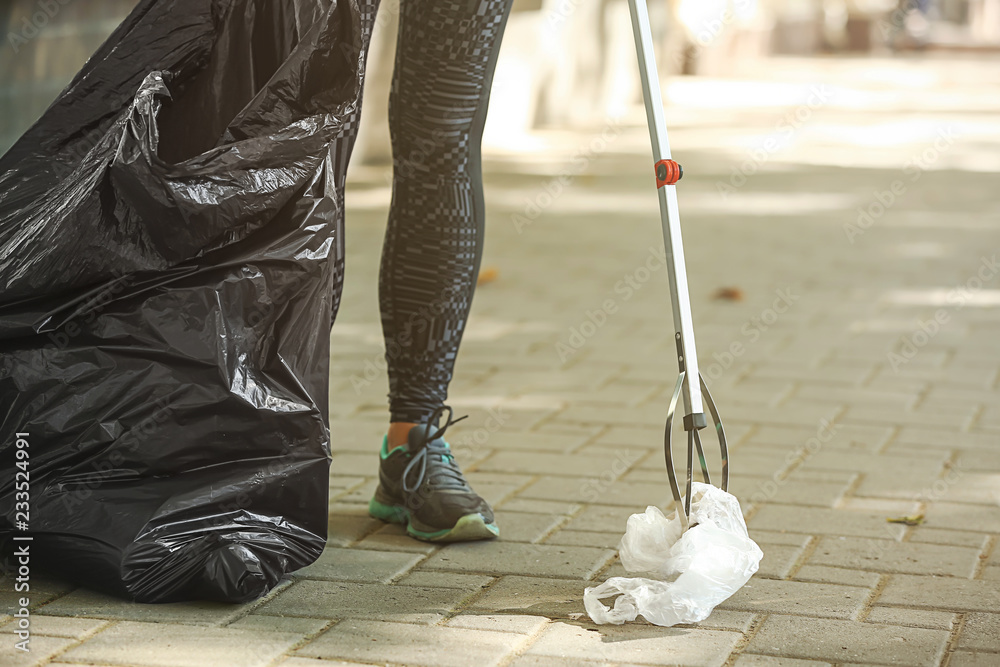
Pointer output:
x,y
713,559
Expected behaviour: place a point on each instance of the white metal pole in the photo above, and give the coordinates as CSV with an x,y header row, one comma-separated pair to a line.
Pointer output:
x,y
669,214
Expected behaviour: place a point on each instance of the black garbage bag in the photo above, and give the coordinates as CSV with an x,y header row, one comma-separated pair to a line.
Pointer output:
x,y
171,257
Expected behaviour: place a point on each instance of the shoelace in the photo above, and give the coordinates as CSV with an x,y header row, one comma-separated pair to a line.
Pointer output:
x,y
446,473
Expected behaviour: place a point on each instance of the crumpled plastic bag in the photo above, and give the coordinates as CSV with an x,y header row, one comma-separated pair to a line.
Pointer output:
x,y
713,559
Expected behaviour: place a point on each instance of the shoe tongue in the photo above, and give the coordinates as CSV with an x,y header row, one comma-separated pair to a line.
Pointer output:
x,y
440,470
416,437
438,451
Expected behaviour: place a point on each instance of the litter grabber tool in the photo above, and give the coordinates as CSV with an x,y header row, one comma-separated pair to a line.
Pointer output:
x,y
690,384
702,556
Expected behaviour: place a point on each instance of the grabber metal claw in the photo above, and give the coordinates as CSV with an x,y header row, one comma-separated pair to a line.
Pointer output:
x,y
668,172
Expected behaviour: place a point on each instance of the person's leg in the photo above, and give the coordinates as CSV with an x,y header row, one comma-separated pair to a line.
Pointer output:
x,y
445,57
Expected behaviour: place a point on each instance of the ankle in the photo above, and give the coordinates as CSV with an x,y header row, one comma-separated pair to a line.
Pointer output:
x,y
399,433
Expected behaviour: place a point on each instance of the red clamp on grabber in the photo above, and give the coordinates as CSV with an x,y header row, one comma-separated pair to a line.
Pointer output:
x,y
668,172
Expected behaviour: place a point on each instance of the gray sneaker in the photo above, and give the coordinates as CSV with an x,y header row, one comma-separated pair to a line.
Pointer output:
x,y
422,487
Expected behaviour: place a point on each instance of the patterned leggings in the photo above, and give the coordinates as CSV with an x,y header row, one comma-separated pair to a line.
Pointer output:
x,y
445,58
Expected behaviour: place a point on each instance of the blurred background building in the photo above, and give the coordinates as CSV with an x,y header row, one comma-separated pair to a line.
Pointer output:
x,y
565,63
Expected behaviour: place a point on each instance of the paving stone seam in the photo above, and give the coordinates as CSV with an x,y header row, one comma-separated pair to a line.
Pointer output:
x,y
513,494
526,643
818,380
553,529
986,536
755,624
596,573
402,575
589,440
750,512
549,416
836,417
977,415
251,607
87,635
984,557
535,476
579,359
848,493
953,637
339,619
651,454
895,432
39,605
743,441
987,651
657,396
953,462
51,659
484,379
483,590
786,394
353,660
734,421
365,480
876,572
819,581
745,372
807,552
895,420
873,596
901,624
823,661
602,573
302,643
522,646
90,663
967,503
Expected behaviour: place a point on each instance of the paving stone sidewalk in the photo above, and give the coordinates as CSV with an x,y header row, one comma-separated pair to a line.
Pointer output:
x,y
854,207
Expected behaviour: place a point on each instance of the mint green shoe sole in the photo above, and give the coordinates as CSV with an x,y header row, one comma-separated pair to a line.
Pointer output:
x,y
469,528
